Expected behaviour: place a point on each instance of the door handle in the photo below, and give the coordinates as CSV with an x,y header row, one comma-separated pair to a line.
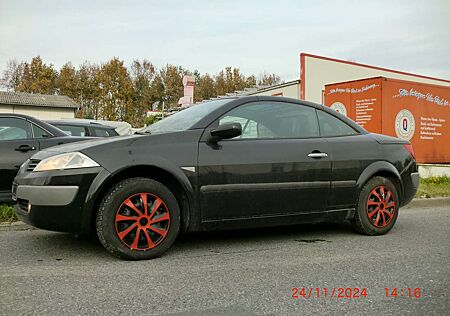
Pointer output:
x,y
317,155
25,148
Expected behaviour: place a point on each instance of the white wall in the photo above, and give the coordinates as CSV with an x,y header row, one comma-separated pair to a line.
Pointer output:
x,y
426,171
319,71
40,112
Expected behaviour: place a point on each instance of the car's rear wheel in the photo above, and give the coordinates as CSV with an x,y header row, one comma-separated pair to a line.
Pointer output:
x,y
138,219
377,208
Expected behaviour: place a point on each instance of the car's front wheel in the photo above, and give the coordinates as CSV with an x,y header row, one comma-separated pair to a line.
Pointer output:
x,y
139,218
377,208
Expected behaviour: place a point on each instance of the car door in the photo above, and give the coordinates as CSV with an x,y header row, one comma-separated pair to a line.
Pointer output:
x,y
278,166
45,138
351,153
16,146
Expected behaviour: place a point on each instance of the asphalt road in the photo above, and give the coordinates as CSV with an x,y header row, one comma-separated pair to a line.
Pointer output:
x,y
241,273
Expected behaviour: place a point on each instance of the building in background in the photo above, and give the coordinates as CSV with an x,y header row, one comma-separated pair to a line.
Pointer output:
x,y
41,106
318,71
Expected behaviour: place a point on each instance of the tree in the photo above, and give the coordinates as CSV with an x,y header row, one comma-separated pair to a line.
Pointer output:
x,y
204,88
115,92
157,90
38,77
172,80
250,81
88,92
230,80
67,81
142,73
266,79
220,83
12,76
234,80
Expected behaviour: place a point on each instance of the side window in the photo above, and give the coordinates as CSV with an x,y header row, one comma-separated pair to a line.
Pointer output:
x,y
332,126
72,130
39,132
14,128
249,127
101,132
274,120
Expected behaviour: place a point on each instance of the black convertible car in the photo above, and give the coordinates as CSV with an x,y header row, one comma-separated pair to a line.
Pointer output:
x,y
229,163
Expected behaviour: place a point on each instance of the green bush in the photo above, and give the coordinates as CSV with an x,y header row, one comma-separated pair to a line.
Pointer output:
x,y
152,119
434,186
436,180
7,213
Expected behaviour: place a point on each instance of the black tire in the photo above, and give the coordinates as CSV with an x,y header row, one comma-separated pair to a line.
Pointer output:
x,y
378,224
107,223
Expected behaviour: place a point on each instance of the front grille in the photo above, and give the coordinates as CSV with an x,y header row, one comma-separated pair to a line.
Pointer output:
x,y
23,204
32,164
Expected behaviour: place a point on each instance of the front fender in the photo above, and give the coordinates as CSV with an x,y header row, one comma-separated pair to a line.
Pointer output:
x,y
101,181
166,165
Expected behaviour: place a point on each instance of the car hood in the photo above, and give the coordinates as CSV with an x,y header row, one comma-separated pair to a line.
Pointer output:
x,y
81,145
107,145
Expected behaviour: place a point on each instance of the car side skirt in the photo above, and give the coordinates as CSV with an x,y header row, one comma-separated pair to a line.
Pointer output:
x,y
279,220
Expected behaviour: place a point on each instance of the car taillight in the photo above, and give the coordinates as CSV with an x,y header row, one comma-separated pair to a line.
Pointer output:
x,y
410,149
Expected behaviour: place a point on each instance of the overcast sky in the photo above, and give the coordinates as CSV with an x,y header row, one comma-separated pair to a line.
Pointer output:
x,y
255,36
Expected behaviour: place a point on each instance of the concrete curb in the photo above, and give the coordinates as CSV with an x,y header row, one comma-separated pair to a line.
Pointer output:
x,y
418,202
14,226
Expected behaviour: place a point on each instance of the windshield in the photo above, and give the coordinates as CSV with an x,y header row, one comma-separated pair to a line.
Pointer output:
x,y
186,118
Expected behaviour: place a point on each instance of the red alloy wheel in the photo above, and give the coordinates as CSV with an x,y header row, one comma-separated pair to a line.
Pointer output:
x,y
380,206
142,221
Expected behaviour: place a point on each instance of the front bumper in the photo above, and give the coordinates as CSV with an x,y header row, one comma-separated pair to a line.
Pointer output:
x,y
51,195
59,200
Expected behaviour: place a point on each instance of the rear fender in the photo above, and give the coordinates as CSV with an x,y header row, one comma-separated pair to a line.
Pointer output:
x,y
379,167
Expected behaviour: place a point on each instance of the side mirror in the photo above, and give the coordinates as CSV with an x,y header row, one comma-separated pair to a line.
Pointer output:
x,y
226,131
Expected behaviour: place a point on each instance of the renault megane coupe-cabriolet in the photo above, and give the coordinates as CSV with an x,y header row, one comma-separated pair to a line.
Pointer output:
x,y
224,164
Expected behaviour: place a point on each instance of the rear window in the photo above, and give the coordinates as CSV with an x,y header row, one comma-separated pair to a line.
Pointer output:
x,y
331,126
72,130
103,132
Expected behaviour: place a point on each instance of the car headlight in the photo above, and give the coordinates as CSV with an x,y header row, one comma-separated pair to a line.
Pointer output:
x,y
66,161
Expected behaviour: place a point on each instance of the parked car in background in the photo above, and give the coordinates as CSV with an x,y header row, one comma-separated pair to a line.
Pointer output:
x,y
84,128
228,163
20,137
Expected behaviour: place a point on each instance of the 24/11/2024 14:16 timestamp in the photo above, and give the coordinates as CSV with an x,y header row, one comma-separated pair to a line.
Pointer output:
x,y
353,292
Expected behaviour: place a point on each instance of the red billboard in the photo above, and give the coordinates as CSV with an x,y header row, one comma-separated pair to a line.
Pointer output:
x,y
413,111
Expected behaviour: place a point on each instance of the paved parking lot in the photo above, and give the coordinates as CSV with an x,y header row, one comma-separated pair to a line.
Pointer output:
x,y
243,273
